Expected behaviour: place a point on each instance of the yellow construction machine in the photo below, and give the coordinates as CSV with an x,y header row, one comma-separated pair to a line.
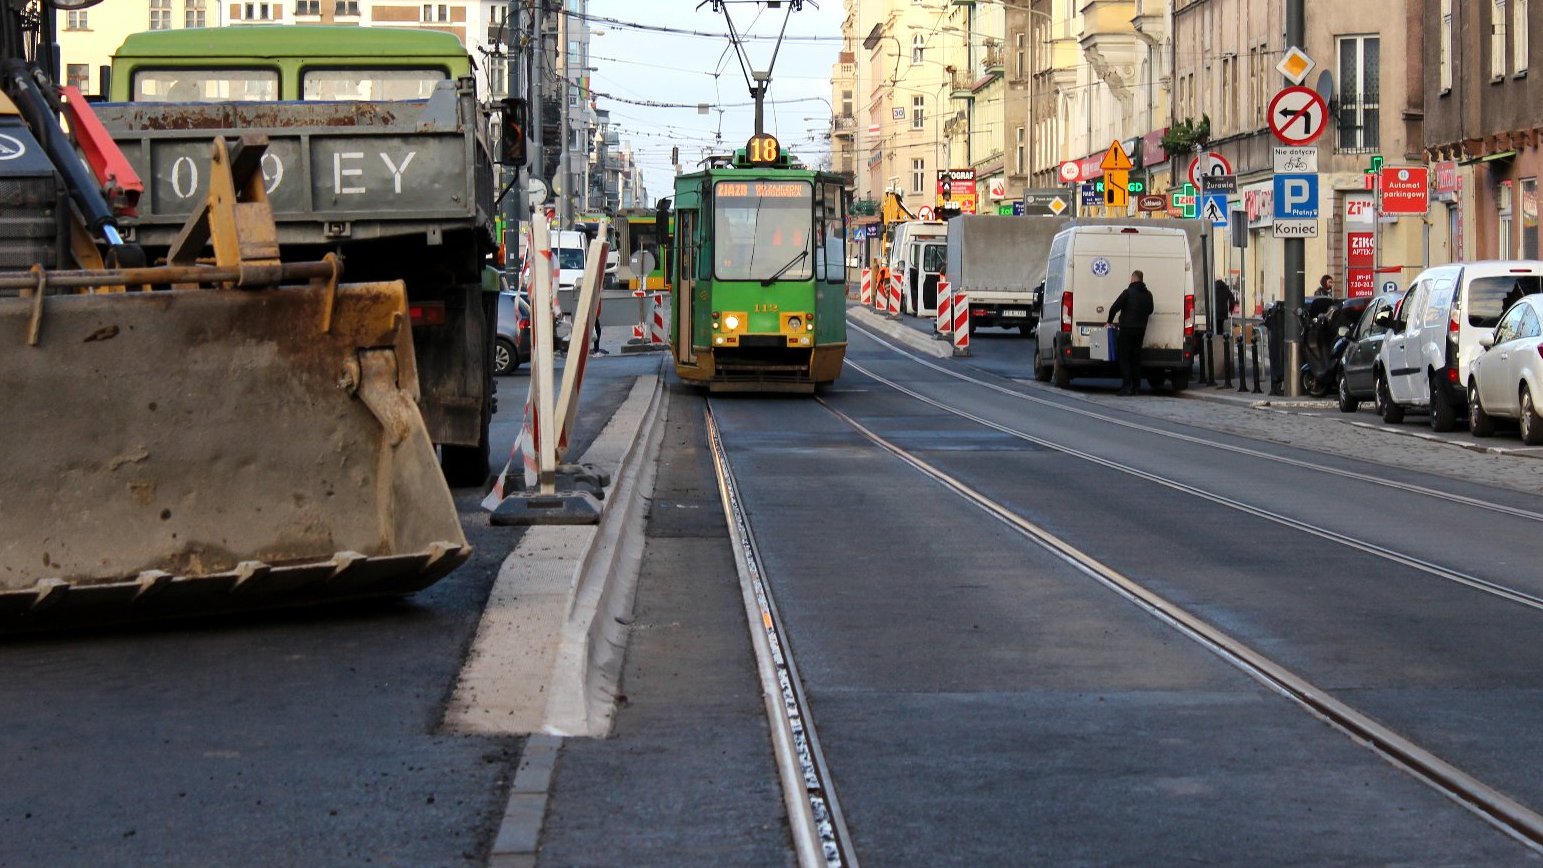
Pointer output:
x,y
220,431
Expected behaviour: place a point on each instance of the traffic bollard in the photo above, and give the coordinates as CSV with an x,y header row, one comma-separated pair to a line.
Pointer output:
x,y
1254,351
1227,361
865,291
961,324
1208,359
945,322
1242,363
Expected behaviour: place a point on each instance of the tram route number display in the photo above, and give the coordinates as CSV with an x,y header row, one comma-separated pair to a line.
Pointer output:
x,y
763,150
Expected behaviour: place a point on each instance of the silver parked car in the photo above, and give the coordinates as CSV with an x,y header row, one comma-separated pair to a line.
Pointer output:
x,y
1507,378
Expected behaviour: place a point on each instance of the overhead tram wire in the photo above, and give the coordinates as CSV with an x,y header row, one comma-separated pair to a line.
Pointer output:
x,y
657,28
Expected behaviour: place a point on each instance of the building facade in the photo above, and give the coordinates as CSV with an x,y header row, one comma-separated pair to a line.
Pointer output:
x,y
1483,117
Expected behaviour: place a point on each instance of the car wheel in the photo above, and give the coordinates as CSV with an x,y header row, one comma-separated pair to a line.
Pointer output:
x,y
1059,374
1443,416
1391,412
1155,382
1480,423
1181,381
1041,372
1532,425
505,358
1347,404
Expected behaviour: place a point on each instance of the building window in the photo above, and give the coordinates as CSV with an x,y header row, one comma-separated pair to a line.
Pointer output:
x,y
1018,64
498,75
1529,218
75,19
346,7
307,7
1503,206
160,14
846,103
1497,25
77,75
193,14
1359,92
1445,71
257,12
918,112
1519,33
436,12
918,176
1019,153
918,48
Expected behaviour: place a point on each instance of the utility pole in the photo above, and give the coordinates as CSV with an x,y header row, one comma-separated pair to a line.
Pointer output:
x,y
514,209
564,162
1295,258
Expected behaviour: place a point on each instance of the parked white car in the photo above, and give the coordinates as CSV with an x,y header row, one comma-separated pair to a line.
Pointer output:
x,y
1507,378
1434,337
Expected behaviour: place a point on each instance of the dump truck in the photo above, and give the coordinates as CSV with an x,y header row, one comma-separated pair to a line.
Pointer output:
x,y
225,428
378,153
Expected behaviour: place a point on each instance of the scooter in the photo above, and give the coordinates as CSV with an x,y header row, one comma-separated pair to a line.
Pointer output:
x,y
1323,326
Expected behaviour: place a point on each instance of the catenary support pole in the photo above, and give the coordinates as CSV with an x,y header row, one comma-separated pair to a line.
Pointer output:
x,y
1295,248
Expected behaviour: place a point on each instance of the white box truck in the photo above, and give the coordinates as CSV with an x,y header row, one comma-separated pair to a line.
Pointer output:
x,y
1087,269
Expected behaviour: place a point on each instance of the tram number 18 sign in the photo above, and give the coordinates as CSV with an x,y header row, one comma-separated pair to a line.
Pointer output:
x,y
763,150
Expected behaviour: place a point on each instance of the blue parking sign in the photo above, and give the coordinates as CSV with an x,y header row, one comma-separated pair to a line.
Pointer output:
x,y
1296,197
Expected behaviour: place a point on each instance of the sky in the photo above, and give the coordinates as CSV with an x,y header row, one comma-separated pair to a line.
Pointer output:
x,y
634,63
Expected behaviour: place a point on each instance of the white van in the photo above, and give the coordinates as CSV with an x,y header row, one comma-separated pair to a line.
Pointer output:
x,y
1088,268
569,247
1433,338
917,253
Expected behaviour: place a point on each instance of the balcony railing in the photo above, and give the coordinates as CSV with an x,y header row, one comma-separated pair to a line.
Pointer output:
x,y
992,59
843,123
961,84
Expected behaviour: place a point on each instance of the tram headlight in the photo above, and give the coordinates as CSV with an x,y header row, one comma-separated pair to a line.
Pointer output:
x,y
795,323
731,322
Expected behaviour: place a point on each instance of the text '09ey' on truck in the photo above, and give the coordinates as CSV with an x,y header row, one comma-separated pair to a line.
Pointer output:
x,y
378,152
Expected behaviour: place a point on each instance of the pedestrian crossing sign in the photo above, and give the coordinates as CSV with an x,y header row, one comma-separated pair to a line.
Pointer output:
x,y
1213,208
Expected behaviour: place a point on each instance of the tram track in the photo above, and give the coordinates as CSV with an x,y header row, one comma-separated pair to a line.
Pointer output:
x,y
1496,807
818,827
1486,586
1408,488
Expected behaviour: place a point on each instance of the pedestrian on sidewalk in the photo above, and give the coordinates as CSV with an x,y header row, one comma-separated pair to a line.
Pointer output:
x,y
1134,307
1325,286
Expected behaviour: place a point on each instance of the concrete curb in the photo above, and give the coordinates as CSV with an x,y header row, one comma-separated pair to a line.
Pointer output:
x,y
549,648
899,332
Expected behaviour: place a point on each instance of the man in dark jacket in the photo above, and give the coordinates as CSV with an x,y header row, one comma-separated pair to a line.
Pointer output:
x,y
1134,307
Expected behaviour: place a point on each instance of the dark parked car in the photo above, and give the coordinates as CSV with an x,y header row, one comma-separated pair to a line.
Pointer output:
x,y
512,345
1358,360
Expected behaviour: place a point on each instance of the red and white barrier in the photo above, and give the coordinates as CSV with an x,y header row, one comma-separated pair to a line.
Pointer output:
x,y
659,333
945,306
880,292
637,334
895,282
961,324
865,289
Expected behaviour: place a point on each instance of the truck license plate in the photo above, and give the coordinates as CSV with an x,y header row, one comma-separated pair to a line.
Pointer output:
x,y
1014,312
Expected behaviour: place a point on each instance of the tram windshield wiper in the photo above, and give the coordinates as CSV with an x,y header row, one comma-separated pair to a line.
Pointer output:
x,y
797,258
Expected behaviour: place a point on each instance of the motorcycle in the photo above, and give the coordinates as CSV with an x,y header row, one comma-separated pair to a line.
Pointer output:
x,y
1324,323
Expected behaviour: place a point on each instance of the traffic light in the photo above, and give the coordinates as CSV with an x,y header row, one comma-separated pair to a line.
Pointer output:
x,y
516,117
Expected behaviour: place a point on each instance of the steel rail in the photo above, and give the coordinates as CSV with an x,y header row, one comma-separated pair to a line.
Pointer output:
x,y
1471,581
1492,805
1516,512
819,830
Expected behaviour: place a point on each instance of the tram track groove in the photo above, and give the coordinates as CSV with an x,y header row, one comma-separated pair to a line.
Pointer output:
x,y
1437,570
820,836
1495,807
1408,488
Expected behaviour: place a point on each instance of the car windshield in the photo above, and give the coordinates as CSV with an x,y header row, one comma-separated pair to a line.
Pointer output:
x,y
369,84
1489,297
762,227
570,259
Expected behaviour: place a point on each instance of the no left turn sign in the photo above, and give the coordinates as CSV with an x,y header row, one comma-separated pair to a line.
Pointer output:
x,y
1298,115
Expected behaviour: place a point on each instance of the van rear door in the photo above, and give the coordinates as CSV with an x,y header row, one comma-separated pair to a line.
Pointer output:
x,y
1098,274
1163,259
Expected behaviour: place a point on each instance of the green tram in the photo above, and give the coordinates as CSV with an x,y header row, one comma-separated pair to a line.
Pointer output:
x,y
758,273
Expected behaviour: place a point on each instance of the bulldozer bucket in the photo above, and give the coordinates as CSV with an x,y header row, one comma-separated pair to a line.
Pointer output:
x,y
192,451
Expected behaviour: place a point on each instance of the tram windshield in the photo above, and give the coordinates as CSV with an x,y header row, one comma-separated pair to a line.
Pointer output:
x,y
761,228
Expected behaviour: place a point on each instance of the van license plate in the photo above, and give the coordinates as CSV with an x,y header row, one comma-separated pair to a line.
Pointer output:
x,y
1014,312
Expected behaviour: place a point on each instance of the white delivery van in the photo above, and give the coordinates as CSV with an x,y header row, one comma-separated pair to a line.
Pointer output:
x,y
569,248
1088,268
917,253
1424,361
